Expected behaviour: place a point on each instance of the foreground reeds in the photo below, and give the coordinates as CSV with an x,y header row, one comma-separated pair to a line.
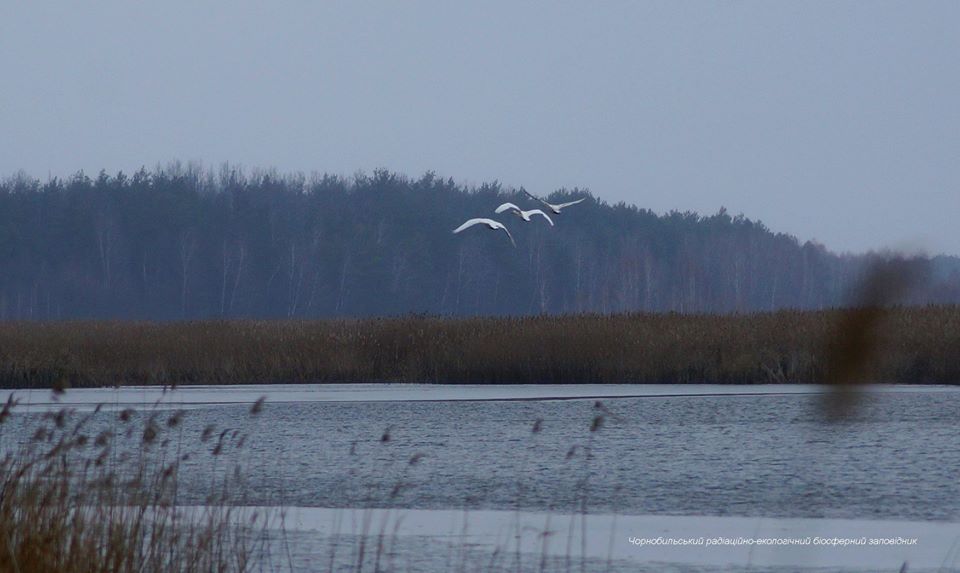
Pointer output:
x,y
913,345
97,492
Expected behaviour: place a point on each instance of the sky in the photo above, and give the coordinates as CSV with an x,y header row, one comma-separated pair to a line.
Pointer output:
x,y
833,121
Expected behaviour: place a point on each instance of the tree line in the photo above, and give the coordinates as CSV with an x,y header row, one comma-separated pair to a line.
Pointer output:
x,y
181,242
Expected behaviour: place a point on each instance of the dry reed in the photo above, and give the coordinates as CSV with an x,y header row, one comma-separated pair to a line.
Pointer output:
x,y
916,345
96,492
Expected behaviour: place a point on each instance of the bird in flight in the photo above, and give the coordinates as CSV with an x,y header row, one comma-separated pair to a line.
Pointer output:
x,y
489,223
555,208
525,215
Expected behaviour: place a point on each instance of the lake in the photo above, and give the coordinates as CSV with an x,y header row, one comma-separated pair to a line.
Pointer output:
x,y
692,461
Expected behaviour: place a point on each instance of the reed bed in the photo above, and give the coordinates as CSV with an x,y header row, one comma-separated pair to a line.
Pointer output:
x,y
912,345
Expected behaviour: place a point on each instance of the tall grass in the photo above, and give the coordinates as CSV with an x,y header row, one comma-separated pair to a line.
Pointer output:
x,y
916,344
96,492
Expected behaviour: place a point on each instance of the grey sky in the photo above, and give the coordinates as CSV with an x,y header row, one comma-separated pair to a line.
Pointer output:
x,y
835,121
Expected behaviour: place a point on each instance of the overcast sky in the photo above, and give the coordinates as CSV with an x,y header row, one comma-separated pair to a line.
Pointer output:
x,y
834,121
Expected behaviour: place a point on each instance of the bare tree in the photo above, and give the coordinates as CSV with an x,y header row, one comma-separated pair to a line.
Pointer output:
x,y
233,254
105,232
188,247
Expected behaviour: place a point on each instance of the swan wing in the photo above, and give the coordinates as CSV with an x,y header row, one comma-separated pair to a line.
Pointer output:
x,y
495,225
539,212
507,207
535,198
562,205
479,221
507,231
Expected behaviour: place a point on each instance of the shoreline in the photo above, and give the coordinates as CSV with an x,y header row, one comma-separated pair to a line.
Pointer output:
x,y
190,397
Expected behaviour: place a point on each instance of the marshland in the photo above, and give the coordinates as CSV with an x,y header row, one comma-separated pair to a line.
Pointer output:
x,y
914,345
479,287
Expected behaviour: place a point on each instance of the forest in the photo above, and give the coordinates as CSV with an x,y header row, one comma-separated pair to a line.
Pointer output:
x,y
182,242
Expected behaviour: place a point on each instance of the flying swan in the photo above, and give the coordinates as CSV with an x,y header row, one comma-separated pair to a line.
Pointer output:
x,y
488,222
551,206
525,215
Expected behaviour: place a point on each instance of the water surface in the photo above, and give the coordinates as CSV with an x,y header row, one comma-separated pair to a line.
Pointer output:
x,y
722,451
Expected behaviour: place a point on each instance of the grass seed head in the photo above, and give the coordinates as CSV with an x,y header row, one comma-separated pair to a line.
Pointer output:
x,y
174,420
596,424
207,432
257,406
149,434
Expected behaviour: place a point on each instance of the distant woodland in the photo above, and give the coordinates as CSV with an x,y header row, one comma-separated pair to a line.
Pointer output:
x,y
181,242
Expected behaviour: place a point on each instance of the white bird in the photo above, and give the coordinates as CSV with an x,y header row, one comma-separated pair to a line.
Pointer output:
x,y
554,208
525,215
488,222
